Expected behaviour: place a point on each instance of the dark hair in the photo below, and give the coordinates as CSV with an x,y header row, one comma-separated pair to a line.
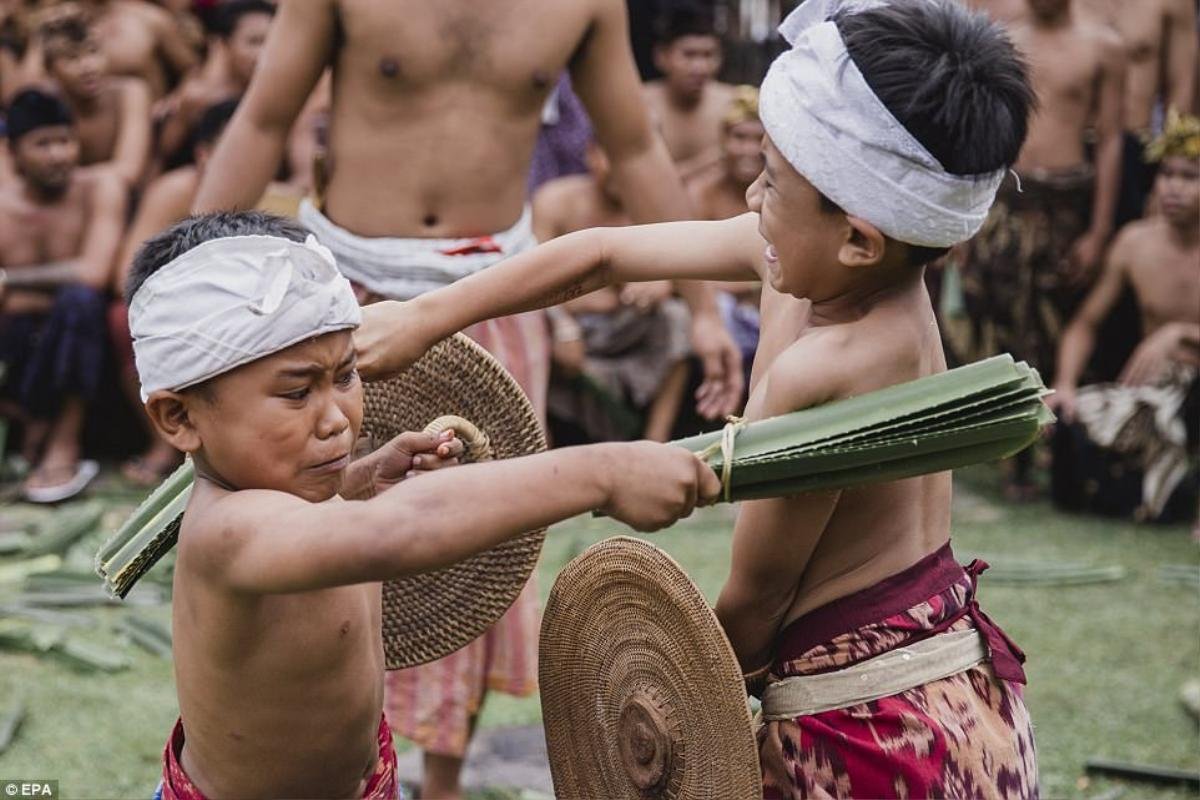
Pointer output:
x,y
684,18
951,77
73,31
163,248
230,13
213,122
32,109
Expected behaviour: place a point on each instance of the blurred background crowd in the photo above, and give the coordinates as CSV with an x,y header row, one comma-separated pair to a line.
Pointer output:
x,y
1089,266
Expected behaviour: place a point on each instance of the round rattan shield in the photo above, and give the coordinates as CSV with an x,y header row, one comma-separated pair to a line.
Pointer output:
x,y
431,615
641,693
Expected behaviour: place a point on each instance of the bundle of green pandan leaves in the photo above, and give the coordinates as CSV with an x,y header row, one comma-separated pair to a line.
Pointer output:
x,y
980,412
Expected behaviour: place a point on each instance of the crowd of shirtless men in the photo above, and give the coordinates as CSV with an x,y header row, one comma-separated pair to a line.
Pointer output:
x,y
125,116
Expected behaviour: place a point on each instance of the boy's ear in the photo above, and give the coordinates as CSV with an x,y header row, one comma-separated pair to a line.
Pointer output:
x,y
170,413
865,245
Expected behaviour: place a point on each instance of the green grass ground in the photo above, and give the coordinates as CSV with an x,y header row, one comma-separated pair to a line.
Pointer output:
x,y
1105,661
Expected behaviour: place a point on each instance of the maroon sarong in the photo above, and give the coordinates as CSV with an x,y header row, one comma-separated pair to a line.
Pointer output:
x,y
968,735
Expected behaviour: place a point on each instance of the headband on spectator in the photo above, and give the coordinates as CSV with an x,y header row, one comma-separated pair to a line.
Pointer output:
x,y
827,122
231,301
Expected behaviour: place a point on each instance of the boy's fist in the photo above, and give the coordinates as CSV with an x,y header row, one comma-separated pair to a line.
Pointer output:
x,y
654,485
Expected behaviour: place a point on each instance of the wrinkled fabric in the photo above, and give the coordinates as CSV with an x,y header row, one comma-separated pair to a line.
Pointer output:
x,y
968,735
826,121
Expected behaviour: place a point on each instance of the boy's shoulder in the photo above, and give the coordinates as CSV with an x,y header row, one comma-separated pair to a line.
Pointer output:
x,y
834,362
218,523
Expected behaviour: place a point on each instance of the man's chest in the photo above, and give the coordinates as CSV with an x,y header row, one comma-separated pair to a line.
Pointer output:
x,y
690,132
1064,69
37,235
512,45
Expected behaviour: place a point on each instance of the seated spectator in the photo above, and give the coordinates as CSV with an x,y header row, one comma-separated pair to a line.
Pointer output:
x,y
241,28
612,349
1127,447
142,40
720,193
59,233
688,102
112,115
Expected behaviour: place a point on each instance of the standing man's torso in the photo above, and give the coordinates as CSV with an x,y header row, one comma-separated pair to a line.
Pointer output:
x,y
436,108
99,127
1142,28
1066,70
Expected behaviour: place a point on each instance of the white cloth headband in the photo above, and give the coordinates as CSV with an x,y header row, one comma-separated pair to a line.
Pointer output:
x,y
230,301
823,117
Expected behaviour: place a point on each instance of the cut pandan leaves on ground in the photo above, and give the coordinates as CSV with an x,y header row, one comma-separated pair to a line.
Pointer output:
x,y
147,535
55,641
981,412
148,635
64,529
10,723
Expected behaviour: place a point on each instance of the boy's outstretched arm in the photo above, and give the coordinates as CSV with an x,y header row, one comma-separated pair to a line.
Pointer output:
x,y
260,542
394,335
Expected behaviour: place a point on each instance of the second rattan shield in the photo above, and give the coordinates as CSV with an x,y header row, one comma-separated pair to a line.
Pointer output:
x,y
642,697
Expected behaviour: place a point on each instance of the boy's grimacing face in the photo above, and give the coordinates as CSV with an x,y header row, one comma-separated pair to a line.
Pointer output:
x,y
803,238
286,422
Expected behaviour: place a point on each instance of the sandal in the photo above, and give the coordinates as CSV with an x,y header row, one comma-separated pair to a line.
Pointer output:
x,y
78,477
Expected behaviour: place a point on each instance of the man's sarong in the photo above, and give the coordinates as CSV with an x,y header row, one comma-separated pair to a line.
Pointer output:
x,y
45,358
433,705
968,735
1131,449
176,785
630,353
1014,275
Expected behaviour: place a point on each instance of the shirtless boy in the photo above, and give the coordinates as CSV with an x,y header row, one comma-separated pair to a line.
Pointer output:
x,y
842,225
1159,259
241,27
59,233
688,102
142,40
112,114
633,345
278,651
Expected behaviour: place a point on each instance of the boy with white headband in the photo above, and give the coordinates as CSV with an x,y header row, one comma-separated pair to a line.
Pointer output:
x,y
889,128
242,340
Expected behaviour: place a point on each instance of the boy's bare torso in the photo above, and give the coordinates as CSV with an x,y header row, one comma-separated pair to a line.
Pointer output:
x,y
875,531
460,82
280,695
1164,274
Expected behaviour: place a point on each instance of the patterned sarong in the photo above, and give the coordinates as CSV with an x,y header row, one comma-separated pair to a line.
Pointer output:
x,y
433,704
176,785
1014,283
968,735
1143,433
45,358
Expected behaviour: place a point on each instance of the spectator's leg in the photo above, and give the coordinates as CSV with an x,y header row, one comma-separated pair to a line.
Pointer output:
x,y
60,457
660,418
